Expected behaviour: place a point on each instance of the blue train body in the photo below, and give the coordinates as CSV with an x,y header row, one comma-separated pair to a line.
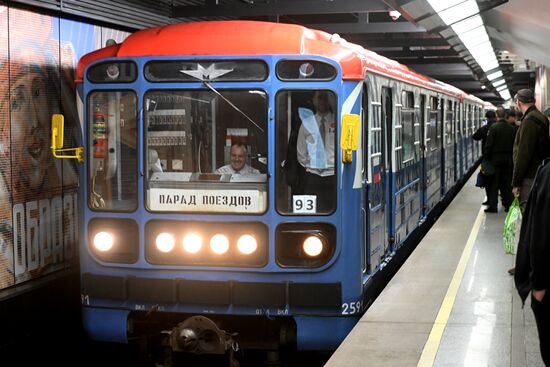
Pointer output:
x,y
415,145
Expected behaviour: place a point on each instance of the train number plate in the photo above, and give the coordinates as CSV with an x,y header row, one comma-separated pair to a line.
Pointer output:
x,y
304,203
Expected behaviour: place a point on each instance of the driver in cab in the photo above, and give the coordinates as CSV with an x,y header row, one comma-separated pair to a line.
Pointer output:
x,y
238,164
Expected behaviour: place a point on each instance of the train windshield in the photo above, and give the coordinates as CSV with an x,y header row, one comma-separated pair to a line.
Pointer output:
x,y
206,150
306,123
112,179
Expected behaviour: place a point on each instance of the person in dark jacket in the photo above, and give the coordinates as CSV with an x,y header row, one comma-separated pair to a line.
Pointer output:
x,y
481,134
497,152
533,256
530,140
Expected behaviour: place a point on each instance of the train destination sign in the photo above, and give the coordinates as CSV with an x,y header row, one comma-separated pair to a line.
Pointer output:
x,y
187,200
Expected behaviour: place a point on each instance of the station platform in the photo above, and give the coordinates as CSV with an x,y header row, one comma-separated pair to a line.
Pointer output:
x,y
452,303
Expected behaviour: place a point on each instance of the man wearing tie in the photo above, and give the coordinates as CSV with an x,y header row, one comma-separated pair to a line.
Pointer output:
x,y
315,150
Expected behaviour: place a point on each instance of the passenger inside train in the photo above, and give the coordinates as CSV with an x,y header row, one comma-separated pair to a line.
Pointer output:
x,y
307,127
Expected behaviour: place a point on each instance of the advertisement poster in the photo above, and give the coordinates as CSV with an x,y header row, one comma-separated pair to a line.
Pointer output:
x,y
38,193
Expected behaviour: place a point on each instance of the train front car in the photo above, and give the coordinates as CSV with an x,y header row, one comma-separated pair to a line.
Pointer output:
x,y
219,211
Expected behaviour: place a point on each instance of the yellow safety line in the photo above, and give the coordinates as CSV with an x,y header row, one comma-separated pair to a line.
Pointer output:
x,y
432,345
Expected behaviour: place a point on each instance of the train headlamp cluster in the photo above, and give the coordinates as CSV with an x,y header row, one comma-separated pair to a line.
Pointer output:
x,y
192,243
195,243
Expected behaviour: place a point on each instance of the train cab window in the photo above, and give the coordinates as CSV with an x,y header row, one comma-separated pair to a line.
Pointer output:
x,y
407,126
306,131
112,131
206,151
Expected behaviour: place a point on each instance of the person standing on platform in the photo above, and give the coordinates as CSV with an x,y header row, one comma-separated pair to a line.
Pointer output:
x,y
529,145
497,152
481,134
533,256
511,118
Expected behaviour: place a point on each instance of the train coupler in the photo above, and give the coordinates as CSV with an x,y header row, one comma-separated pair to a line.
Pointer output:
x,y
200,335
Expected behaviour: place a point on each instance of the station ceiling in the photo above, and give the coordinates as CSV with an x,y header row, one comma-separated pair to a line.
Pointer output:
x,y
519,30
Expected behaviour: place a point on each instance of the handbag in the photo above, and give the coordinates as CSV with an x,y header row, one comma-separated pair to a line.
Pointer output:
x,y
481,180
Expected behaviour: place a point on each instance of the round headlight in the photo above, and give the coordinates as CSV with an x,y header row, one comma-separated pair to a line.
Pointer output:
x,y
113,71
165,242
247,244
192,243
313,246
103,241
219,244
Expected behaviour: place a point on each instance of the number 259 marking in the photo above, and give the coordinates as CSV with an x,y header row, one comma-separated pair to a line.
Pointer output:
x,y
351,308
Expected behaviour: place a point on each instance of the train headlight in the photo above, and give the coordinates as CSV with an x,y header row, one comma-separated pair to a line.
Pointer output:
x,y
165,242
103,241
247,244
313,246
113,71
192,243
304,245
219,244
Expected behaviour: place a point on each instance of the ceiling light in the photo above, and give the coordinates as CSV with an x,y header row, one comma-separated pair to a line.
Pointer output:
x,y
495,75
506,95
499,82
489,66
439,5
459,12
467,24
501,88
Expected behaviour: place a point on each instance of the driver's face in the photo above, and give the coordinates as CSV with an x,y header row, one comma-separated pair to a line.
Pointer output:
x,y
321,102
238,157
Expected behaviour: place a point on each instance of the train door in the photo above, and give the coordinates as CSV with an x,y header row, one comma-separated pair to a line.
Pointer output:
x,y
433,155
449,154
375,170
423,150
387,124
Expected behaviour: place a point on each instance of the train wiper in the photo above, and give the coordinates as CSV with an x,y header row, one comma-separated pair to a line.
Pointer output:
x,y
209,86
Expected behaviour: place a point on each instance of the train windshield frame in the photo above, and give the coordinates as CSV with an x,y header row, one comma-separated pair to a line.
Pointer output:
x,y
206,150
306,151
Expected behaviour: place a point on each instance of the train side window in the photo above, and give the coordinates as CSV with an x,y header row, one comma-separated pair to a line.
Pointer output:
x,y
407,126
449,115
434,134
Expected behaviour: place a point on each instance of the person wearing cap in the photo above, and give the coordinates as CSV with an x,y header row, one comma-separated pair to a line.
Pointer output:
x,y
528,145
497,152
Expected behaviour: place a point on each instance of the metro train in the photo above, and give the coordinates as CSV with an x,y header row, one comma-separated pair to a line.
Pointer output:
x,y
175,248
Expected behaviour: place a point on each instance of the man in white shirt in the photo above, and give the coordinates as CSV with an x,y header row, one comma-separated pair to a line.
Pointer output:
x,y
238,162
315,150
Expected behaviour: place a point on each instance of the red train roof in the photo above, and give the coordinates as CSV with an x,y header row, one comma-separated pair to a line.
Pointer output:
x,y
249,38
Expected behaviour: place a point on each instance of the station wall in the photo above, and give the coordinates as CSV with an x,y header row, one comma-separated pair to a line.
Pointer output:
x,y
38,194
